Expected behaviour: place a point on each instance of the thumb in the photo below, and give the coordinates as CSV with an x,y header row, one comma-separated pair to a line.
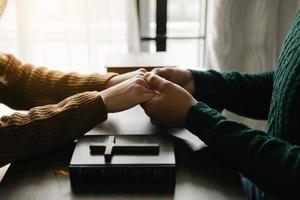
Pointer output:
x,y
162,72
155,81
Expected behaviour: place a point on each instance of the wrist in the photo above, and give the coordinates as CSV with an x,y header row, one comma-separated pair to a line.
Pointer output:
x,y
103,97
191,84
187,107
190,87
103,112
111,81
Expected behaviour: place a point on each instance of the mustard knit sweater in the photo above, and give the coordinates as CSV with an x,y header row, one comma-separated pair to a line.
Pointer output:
x,y
61,108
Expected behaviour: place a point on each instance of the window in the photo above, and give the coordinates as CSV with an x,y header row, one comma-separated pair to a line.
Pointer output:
x,y
67,35
185,30
76,35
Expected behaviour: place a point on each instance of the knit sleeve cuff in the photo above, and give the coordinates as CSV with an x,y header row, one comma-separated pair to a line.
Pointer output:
x,y
4,58
102,114
201,120
107,77
209,87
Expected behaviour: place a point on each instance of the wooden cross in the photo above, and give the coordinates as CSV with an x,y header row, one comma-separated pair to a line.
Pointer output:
x,y
111,148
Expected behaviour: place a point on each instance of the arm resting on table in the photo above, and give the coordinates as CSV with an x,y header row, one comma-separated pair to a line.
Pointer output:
x,y
271,163
49,127
24,86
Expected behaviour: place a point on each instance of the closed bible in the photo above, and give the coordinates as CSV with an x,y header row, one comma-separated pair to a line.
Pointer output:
x,y
123,158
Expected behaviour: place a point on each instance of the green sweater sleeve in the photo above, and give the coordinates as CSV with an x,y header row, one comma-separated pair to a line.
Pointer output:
x,y
271,163
244,94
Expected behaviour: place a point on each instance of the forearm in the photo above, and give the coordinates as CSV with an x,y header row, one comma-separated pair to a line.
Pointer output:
x,y
269,162
244,94
49,127
27,86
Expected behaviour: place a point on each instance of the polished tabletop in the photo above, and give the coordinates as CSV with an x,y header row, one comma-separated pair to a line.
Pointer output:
x,y
199,173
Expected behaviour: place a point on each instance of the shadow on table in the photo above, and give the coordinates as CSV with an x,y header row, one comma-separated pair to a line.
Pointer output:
x,y
36,179
203,169
113,188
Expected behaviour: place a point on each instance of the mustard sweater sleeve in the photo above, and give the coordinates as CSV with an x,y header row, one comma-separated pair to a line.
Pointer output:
x,y
49,127
23,86
61,108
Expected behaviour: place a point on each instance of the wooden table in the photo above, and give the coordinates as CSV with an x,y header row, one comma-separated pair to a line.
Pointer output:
x,y
199,174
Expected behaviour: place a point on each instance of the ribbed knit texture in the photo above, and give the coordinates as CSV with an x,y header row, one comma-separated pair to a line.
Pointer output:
x,y
285,106
62,107
270,160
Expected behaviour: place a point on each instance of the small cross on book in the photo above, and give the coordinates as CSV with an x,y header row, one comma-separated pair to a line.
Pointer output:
x,y
111,148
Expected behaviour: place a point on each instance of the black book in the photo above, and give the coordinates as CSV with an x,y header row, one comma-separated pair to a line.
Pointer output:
x,y
129,158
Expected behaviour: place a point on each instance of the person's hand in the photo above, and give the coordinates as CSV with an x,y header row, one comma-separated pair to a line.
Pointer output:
x,y
127,94
123,77
182,77
170,106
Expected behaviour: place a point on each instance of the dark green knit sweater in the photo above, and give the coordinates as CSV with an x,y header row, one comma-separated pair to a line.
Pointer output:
x,y
270,160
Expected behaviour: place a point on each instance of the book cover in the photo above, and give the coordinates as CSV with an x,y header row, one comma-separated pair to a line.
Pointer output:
x,y
129,158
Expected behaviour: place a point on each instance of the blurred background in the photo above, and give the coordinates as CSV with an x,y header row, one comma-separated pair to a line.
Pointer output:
x,y
78,35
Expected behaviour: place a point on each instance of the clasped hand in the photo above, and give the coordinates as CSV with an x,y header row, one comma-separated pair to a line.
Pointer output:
x,y
165,94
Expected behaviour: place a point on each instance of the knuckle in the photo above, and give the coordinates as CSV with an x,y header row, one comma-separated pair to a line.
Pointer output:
x,y
143,70
139,80
156,70
151,78
141,73
163,72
